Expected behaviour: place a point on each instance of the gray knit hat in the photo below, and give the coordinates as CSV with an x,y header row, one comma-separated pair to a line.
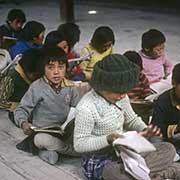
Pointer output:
x,y
114,73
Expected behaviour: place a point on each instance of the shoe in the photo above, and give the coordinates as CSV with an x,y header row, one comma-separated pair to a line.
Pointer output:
x,y
49,156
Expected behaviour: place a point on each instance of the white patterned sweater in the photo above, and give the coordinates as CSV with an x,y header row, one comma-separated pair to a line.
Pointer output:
x,y
96,118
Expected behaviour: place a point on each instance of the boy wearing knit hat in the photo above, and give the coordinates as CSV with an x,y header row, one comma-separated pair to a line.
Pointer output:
x,y
104,113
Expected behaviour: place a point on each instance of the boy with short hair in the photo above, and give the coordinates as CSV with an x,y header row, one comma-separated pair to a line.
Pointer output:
x,y
15,20
104,113
48,102
167,107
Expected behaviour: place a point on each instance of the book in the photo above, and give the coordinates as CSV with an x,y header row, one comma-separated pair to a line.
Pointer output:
x,y
8,41
134,141
12,63
162,86
57,129
82,58
128,147
140,101
48,129
134,164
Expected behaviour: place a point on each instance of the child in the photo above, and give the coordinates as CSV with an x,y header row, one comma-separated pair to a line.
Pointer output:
x,y
156,66
16,82
31,36
55,39
104,113
99,47
167,107
15,20
71,32
141,90
48,102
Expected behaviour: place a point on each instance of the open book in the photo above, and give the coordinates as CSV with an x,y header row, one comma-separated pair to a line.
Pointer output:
x,y
134,164
128,148
57,129
82,58
132,140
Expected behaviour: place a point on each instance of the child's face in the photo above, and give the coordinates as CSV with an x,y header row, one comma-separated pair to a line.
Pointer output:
x,y
113,97
39,40
63,45
157,51
16,24
106,46
55,72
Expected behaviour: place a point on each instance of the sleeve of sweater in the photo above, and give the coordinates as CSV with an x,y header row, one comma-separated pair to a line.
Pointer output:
x,y
26,106
167,67
84,141
75,97
161,114
132,120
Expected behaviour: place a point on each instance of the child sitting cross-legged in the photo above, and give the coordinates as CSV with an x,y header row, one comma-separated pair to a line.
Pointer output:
x,y
48,102
142,89
156,65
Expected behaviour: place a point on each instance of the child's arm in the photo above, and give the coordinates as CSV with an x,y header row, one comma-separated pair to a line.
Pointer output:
x,y
84,64
26,106
75,97
167,67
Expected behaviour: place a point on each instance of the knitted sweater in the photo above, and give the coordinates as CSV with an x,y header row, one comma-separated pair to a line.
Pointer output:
x,y
96,118
88,65
45,105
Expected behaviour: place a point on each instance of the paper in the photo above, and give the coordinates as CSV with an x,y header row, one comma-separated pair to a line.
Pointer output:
x,y
134,141
162,86
134,164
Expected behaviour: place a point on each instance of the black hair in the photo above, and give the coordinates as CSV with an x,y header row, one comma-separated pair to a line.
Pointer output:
x,y
16,14
53,38
31,30
71,32
176,74
134,57
152,38
52,55
30,60
102,35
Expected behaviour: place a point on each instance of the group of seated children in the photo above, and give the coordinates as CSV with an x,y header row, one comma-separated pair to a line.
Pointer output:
x,y
40,91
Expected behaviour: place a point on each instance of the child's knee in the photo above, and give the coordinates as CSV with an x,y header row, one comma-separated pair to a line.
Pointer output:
x,y
43,140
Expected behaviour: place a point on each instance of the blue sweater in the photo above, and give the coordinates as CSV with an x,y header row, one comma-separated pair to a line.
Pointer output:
x,y
20,47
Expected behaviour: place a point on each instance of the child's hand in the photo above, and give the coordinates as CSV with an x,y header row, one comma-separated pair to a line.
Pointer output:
x,y
151,131
26,126
112,137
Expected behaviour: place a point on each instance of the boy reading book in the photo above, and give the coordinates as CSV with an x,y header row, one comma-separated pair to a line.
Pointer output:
x,y
104,113
48,102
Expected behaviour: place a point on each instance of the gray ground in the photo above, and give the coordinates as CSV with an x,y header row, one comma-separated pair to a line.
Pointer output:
x,y
128,25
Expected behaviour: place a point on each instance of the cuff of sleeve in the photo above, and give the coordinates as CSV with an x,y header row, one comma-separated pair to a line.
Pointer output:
x,y
20,122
